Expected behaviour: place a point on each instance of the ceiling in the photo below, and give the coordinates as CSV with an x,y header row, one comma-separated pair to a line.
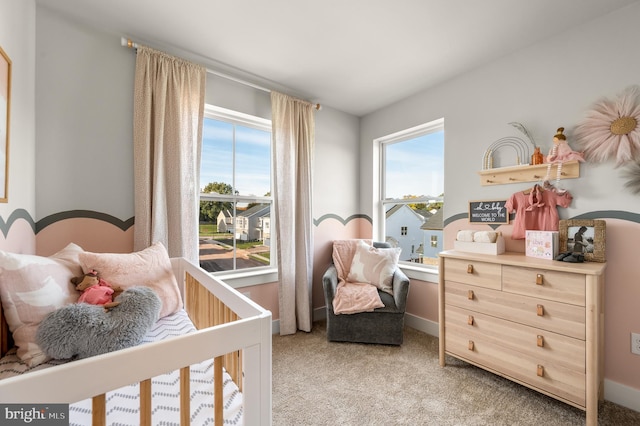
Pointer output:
x,y
353,55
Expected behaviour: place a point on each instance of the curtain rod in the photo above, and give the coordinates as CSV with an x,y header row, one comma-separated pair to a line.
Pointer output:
x,y
133,45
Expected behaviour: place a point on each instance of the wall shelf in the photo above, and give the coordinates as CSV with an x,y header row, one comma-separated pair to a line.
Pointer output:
x,y
527,173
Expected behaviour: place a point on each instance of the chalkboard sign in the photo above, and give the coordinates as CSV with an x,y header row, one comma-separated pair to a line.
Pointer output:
x,y
488,211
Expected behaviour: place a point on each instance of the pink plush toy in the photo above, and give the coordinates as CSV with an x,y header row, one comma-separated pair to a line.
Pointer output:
x,y
95,290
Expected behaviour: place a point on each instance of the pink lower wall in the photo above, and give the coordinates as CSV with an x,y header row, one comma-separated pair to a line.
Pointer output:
x,y
93,235
622,285
19,238
423,300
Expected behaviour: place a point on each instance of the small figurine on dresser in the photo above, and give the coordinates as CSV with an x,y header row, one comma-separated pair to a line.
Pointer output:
x,y
560,153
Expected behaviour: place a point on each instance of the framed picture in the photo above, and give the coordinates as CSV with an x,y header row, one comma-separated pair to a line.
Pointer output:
x,y
583,236
5,108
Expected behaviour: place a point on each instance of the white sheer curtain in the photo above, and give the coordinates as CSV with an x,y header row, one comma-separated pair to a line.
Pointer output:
x,y
168,116
293,125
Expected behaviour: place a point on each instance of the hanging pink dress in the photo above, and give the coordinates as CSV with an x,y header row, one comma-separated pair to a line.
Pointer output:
x,y
537,210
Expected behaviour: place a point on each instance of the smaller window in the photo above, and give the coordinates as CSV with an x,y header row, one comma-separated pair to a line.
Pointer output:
x,y
411,190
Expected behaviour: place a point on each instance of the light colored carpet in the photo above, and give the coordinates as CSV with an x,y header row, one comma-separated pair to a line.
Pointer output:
x,y
316,382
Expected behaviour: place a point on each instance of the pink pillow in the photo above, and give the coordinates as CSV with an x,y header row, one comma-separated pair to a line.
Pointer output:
x,y
374,266
150,267
30,288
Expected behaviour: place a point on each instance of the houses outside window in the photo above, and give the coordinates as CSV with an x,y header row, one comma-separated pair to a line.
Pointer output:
x,y
235,191
411,188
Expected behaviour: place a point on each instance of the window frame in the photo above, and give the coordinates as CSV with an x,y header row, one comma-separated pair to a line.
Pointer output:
x,y
238,278
413,270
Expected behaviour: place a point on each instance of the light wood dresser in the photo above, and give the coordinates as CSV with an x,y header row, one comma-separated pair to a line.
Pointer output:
x,y
536,322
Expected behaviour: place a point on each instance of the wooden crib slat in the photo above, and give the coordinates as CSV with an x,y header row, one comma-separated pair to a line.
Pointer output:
x,y
217,390
99,410
145,402
206,310
218,314
185,396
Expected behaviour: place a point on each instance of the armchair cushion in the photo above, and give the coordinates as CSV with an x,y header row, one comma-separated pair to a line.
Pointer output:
x,y
374,265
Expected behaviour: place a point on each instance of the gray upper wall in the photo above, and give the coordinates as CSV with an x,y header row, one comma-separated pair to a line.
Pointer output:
x,y
545,86
84,92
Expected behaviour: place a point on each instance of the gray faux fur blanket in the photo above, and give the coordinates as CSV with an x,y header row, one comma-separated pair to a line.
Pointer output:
x,y
87,330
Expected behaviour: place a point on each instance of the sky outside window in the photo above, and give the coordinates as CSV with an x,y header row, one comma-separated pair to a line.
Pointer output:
x,y
252,156
415,166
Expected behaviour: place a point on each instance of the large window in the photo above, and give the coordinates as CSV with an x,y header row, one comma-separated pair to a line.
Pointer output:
x,y
412,191
235,191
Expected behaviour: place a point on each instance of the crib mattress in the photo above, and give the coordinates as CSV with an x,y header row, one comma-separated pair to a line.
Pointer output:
x,y
123,404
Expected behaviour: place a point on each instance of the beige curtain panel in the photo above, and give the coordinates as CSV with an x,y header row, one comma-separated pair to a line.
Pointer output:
x,y
293,125
168,117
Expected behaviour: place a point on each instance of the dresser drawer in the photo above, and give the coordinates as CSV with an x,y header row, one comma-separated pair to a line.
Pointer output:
x,y
551,285
542,345
561,318
520,366
481,274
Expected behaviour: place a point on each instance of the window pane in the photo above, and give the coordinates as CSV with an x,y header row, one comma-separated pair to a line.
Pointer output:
x,y
253,161
217,153
235,165
415,167
237,241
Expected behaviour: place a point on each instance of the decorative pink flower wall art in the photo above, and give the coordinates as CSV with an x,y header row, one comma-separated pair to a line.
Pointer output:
x,y
612,129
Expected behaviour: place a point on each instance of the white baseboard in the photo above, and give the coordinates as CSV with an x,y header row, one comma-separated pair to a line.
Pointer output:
x,y
422,324
622,395
319,314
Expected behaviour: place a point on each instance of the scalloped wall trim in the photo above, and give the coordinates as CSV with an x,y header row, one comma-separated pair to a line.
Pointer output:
x,y
85,214
38,226
327,216
5,226
15,215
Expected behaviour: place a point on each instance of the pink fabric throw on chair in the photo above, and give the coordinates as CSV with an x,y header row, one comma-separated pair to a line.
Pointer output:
x,y
351,297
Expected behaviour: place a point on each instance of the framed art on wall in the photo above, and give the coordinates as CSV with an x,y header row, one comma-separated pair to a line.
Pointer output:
x,y
5,108
583,236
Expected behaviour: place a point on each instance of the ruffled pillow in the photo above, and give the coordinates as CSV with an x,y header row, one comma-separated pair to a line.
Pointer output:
x,y
31,287
374,266
150,267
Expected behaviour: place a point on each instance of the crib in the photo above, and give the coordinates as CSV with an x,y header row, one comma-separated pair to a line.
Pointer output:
x,y
232,331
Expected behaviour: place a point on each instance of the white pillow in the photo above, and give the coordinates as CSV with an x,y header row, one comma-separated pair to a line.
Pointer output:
x,y
374,266
30,288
